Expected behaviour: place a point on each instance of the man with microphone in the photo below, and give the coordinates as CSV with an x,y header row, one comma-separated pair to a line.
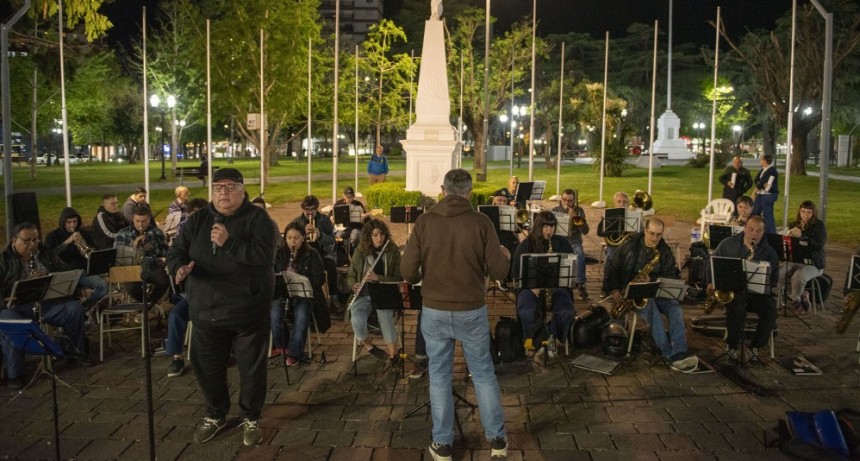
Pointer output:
x,y
225,254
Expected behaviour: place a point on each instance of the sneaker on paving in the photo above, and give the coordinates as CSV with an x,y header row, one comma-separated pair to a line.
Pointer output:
x,y
552,347
207,429
583,293
686,364
755,360
177,366
277,352
498,447
441,452
291,361
418,372
251,434
733,356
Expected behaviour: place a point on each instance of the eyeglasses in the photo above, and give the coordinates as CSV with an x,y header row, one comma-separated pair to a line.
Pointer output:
x,y
28,241
225,187
310,210
654,234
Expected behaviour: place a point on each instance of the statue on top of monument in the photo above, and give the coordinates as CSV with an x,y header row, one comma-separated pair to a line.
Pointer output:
x,y
435,9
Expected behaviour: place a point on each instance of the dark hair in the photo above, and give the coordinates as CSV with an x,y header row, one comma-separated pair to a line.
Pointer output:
x,y
809,206
23,226
757,218
544,218
294,225
143,210
311,201
140,190
259,199
568,192
365,241
108,196
745,199
768,158
196,204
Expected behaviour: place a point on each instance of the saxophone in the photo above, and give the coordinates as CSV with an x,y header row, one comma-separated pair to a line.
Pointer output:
x,y
33,266
620,308
724,297
852,302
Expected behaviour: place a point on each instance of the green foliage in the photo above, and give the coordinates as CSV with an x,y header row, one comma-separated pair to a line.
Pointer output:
x,y
615,161
76,11
387,194
481,194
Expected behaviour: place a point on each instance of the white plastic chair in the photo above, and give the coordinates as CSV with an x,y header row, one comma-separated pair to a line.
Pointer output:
x,y
719,211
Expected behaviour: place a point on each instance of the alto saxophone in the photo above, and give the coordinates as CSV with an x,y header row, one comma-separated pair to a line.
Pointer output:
x,y
620,308
724,297
852,302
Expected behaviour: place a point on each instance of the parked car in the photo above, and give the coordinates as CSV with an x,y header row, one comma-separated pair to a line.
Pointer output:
x,y
72,160
42,159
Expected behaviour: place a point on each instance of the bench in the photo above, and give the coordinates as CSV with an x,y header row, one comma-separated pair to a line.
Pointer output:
x,y
195,171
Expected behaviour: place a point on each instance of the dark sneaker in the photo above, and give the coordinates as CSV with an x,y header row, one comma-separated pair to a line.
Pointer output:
x,y
417,372
498,448
804,301
251,434
796,307
378,353
177,366
583,293
441,452
755,361
208,428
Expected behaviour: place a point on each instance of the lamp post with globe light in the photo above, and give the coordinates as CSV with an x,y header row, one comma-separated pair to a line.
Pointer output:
x,y
155,102
699,126
738,130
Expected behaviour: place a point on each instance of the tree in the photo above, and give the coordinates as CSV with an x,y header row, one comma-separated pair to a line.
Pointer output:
x,y
767,57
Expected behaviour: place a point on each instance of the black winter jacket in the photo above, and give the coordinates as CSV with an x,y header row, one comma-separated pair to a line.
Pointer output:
x,y
69,253
626,262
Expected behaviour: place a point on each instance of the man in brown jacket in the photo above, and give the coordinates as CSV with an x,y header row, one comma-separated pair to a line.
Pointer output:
x,y
453,248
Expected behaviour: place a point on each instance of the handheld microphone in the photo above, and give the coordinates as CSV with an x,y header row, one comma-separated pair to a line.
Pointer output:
x,y
218,219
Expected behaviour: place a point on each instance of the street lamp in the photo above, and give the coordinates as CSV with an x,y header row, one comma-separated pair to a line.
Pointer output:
x,y
174,150
699,126
620,134
155,102
737,130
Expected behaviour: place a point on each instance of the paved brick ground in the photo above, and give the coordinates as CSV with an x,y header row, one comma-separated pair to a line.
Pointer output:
x,y
643,411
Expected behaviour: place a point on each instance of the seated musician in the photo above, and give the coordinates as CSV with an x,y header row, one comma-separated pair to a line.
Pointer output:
x,y
301,258
25,258
808,228
749,244
568,204
150,246
627,264
319,232
72,244
744,211
362,271
510,193
621,200
542,239
353,230
507,238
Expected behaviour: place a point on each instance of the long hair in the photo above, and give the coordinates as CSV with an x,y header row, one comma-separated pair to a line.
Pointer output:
x,y
544,218
365,241
301,230
809,206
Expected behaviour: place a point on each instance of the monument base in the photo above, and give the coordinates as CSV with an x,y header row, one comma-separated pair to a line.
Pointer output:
x,y
673,149
644,161
427,161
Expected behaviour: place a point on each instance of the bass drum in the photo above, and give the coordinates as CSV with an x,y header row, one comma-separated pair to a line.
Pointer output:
x,y
585,330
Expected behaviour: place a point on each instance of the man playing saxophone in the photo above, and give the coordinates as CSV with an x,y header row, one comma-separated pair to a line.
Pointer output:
x,y
626,263
569,204
749,244
542,239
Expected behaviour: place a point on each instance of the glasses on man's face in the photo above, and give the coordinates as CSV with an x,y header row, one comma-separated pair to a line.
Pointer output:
x,y
309,210
29,241
225,187
655,235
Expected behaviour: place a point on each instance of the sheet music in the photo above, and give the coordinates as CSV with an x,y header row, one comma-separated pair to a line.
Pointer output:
x,y
298,286
758,276
537,190
567,271
355,214
508,218
562,228
734,178
63,285
672,289
737,230
633,221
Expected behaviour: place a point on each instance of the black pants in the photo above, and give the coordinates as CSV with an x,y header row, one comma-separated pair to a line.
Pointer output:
x,y
736,313
160,284
211,344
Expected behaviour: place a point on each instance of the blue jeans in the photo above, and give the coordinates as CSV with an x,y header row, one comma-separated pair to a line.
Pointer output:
x,y
472,328
95,283
68,314
580,263
676,342
532,319
177,324
302,311
763,206
360,312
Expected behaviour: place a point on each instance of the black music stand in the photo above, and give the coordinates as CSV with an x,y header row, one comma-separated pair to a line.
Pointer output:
x,y
294,286
733,278
853,281
492,212
496,217
407,214
390,296
100,262
789,249
27,338
546,271
614,220
523,194
717,234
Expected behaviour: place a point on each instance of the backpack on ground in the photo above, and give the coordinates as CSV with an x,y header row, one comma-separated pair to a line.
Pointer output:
x,y
509,340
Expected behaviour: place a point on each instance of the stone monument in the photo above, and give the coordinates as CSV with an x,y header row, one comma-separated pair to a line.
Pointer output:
x,y
431,143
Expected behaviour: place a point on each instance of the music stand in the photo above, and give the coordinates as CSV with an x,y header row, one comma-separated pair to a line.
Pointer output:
x,y
546,271
385,296
733,278
27,338
717,234
614,220
297,286
100,262
407,214
63,284
854,274
523,194
538,189
562,226
494,213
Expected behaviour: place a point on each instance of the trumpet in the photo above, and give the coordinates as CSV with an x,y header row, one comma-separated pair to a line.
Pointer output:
x,y
82,246
312,235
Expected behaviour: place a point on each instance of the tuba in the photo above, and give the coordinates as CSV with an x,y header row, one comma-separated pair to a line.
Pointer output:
x,y
642,199
852,302
620,308
523,219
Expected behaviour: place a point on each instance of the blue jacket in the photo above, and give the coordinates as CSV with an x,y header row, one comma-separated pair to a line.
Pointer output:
x,y
763,176
377,165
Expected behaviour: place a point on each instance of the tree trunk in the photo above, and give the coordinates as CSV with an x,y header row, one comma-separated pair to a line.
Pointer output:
x,y
798,153
480,158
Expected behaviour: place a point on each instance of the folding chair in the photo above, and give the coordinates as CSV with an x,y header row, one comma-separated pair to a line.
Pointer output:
x,y
116,310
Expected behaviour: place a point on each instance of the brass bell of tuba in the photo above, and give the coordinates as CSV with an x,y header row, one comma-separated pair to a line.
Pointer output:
x,y
523,218
642,199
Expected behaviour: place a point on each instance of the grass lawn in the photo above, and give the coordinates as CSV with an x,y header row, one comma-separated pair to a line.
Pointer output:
x,y
678,191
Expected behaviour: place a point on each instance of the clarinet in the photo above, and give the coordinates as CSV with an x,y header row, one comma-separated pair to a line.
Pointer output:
x,y
355,295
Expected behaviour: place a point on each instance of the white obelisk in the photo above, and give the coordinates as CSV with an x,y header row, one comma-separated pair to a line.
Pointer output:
x,y
431,143
669,125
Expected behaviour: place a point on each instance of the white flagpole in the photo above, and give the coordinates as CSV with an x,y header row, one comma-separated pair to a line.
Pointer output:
x,y
600,203
145,150
310,148
209,157
262,114
560,112
460,118
335,142
653,107
356,116
65,114
714,109
790,129
533,91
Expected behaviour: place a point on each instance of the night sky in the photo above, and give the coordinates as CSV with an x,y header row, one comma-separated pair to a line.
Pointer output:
x,y
584,16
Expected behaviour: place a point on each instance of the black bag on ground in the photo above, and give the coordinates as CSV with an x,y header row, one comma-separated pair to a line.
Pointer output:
x,y
322,316
509,340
